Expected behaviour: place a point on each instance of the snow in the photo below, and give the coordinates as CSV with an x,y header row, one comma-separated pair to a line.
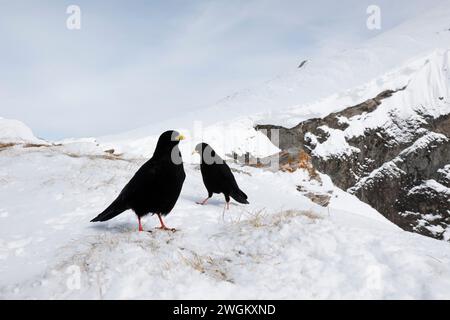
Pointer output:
x,y
391,169
445,172
423,81
336,145
433,185
328,83
237,136
426,94
14,131
280,246
424,142
423,85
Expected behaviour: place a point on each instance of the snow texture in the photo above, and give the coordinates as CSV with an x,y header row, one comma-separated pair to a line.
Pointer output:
x,y
280,246
13,131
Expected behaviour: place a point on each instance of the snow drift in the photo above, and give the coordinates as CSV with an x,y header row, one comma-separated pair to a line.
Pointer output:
x,y
16,132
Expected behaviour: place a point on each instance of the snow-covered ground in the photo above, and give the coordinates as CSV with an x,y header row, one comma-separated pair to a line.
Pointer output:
x,y
280,246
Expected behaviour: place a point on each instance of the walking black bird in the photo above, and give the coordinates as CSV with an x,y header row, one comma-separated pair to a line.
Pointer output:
x,y
217,176
155,187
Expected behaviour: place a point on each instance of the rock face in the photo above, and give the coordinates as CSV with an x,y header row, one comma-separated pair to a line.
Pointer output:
x,y
391,151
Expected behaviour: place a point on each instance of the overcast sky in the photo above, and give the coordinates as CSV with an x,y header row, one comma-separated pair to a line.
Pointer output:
x,y
136,62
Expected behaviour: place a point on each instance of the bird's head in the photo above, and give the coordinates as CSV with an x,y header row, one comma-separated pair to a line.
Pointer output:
x,y
200,148
171,137
207,153
167,141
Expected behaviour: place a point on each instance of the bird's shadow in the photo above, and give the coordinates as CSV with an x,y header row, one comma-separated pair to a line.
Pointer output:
x,y
119,227
215,202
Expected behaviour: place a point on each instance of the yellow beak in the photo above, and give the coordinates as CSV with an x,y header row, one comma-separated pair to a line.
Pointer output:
x,y
194,152
180,137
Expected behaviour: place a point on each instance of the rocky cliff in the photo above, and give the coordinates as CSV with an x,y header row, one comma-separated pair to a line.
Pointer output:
x,y
392,151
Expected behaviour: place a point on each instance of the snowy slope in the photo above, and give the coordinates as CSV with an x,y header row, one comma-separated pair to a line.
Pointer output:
x,y
280,246
388,144
323,85
423,93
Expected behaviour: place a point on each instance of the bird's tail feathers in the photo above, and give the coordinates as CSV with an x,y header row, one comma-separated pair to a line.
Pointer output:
x,y
239,196
113,210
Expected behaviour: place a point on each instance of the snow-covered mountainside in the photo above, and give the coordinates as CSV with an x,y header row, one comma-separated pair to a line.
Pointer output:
x,y
311,91
356,111
391,150
372,120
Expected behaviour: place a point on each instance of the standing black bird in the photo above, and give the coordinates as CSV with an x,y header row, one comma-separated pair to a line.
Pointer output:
x,y
156,185
217,176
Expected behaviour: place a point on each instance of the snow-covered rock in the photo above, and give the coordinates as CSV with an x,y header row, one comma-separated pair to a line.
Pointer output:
x,y
16,132
381,148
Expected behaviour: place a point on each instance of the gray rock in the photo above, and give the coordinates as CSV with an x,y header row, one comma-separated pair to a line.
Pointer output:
x,y
392,175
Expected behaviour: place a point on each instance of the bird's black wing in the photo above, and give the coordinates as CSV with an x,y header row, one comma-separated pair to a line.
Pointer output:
x,y
230,184
142,179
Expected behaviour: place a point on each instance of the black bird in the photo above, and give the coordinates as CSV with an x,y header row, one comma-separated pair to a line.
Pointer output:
x,y
156,185
217,176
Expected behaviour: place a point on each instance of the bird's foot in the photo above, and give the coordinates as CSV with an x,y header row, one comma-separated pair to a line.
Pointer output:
x,y
164,228
202,202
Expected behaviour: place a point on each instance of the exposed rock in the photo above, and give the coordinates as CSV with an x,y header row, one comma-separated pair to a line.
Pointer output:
x,y
302,64
295,137
401,168
322,199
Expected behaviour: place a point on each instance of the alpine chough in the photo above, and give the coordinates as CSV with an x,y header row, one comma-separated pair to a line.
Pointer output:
x,y
156,185
217,176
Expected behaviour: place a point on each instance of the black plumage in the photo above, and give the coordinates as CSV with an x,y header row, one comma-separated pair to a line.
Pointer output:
x,y
155,187
217,176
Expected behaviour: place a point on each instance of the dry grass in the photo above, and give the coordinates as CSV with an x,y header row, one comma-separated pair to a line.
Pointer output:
x,y
261,218
304,162
94,157
258,219
36,145
213,267
109,154
301,161
6,145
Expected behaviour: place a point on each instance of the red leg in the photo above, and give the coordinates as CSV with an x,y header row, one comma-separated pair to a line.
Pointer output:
x,y
140,225
225,208
163,226
203,202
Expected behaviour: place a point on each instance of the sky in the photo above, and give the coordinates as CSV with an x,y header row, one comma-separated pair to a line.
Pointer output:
x,y
136,62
